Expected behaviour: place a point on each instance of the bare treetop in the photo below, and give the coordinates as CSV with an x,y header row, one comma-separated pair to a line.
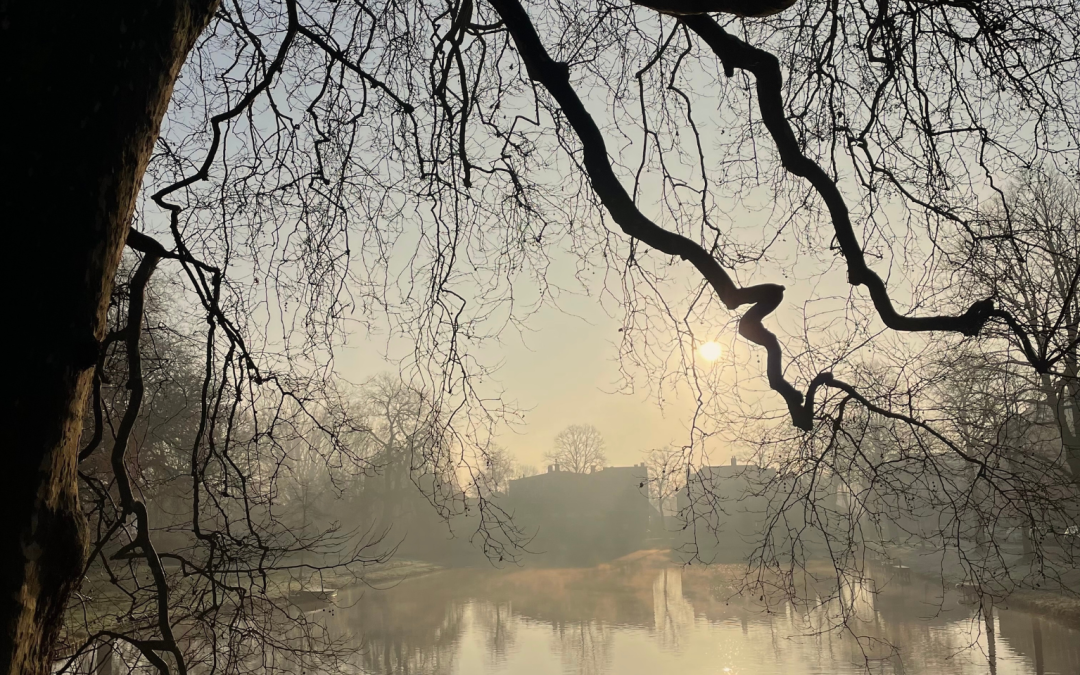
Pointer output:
x,y
578,448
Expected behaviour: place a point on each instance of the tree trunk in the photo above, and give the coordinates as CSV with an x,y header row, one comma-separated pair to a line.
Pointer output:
x,y
85,87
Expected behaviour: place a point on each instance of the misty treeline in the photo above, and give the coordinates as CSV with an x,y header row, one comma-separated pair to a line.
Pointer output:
x,y
256,502
307,171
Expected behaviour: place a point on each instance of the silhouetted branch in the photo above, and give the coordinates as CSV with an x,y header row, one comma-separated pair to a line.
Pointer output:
x,y
735,53
764,298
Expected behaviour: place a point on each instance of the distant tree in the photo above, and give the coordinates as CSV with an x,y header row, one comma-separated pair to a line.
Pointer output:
x,y
525,470
578,448
423,470
179,495
305,490
667,473
1026,255
499,468
405,439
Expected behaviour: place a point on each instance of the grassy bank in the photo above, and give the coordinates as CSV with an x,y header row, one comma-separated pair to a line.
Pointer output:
x,y
1062,608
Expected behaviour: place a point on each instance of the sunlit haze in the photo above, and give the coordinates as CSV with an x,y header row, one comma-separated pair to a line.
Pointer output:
x,y
710,351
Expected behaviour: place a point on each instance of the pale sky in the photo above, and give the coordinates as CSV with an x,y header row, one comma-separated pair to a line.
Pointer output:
x,y
565,372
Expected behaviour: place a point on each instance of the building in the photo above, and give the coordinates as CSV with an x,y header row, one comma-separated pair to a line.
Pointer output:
x,y
724,510
583,518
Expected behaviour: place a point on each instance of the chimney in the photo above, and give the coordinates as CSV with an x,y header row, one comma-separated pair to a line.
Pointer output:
x,y
734,461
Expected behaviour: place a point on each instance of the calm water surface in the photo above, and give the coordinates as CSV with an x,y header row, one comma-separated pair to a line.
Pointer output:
x,y
647,619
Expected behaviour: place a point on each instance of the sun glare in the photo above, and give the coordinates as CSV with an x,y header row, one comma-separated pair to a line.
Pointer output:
x,y
710,351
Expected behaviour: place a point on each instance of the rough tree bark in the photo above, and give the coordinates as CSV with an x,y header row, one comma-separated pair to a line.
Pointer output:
x,y
85,87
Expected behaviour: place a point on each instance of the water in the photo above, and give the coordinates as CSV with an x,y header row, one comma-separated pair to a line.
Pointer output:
x,y
649,619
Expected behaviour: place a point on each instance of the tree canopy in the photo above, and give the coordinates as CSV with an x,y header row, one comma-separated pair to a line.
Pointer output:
x,y
578,448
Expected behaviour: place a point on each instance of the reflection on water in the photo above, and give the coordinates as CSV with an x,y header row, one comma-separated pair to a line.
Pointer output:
x,y
641,619
672,613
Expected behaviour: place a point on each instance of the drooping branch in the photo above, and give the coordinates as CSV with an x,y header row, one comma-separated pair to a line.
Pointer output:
x,y
340,57
141,545
763,298
208,292
735,53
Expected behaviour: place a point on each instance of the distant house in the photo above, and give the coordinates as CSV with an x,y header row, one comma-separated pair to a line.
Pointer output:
x,y
723,510
583,518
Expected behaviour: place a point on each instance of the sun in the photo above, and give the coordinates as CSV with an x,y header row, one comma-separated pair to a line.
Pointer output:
x,y
710,351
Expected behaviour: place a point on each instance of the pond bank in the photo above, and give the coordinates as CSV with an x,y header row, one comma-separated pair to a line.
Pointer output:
x,y
1060,608
1052,604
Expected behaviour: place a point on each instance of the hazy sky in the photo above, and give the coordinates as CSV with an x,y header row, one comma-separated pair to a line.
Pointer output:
x,y
564,372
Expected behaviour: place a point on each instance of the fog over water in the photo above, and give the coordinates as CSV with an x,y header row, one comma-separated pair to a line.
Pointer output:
x,y
641,618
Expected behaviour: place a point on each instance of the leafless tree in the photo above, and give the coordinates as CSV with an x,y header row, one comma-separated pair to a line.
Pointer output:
x,y
667,469
947,473
253,522
406,441
578,448
420,462
227,512
524,471
308,144
1026,255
